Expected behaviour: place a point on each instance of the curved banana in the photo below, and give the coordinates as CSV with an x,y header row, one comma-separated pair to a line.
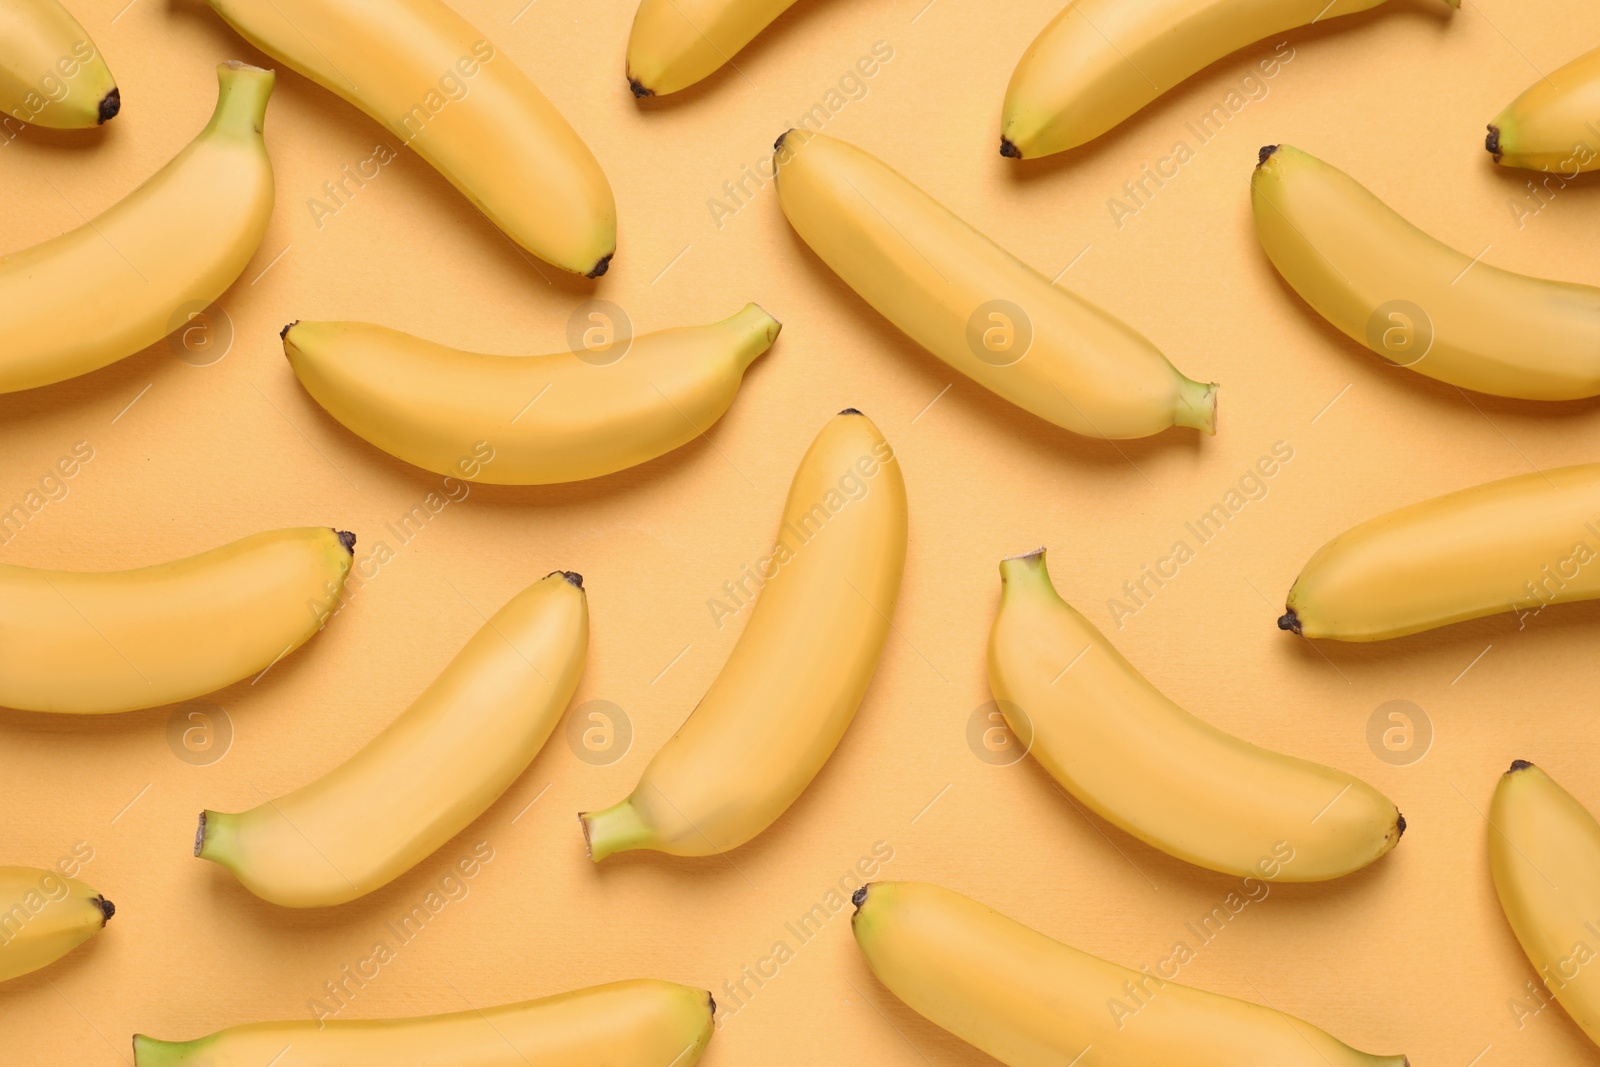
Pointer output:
x,y
125,279
44,916
1518,544
51,74
1100,61
1555,124
1148,766
675,43
638,1023
976,306
1544,853
431,79
1415,301
92,642
431,405
794,679
1031,1001
429,774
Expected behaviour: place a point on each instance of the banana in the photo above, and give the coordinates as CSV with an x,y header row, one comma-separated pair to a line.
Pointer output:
x,y
51,73
92,642
430,405
429,774
1100,61
1544,852
44,916
1415,301
974,305
1518,544
638,1023
1148,766
675,43
122,280
1031,1001
431,79
1555,124
794,679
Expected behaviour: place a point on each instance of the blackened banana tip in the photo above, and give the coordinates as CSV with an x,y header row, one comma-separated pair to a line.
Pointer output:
x,y
1399,825
602,266
1519,765
1009,150
640,89
283,334
572,577
1265,153
107,909
859,897
851,411
1492,142
348,540
110,105
1289,621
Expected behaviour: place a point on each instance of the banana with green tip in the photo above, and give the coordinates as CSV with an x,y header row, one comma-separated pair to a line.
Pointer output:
x,y
1555,124
51,73
676,43
44,916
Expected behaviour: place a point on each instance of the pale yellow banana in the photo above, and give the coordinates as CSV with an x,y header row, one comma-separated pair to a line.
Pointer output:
x,y
1555,124
793,682
675,43
975,305
51,73
638,1023
435,82
130,276
1031,1001
91,642
44,916
1415,301
429,774
1145,764
556,418
1518,544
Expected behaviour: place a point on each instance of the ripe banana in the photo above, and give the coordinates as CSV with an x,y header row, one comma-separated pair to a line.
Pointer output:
x,y
1555,124
675,43
1031,1001
638,1023
430,405
433,80
1145,764
798,672
51,74
1099,61
44,916
1544,852
1518,544
429,774
1415,301
122,280
86,642
976,306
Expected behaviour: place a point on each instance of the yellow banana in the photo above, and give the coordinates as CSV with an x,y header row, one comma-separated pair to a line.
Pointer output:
x,y
44,916
1031,1001
431,405
432,80
1518,544
794,679
1145,764
675,43
123,280
91,642
974,305
1415,301
51,74
1555,124
429,774
638,1023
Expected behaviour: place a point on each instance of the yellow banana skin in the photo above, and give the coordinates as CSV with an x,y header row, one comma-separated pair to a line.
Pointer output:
x,y
1148,766
1031,1001
1518,544
939,281
555,418
431,79
676,43
637,1023
797,674
44,916
1555,124
115,284
95,642
1467,323
429,774
51,73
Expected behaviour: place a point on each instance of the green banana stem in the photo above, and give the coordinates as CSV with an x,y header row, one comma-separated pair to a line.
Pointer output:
x,y
616,829
242,93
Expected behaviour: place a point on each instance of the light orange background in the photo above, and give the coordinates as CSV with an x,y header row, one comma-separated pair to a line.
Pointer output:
x,y
1411,955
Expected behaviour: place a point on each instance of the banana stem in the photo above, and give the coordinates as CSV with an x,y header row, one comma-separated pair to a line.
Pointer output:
x,y
216,832
242,93
618,828
148,1052
1025,572
759,330
1196,406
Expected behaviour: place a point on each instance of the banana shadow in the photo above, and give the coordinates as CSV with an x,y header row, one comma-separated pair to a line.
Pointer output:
x,y
108,388
46,979
59,146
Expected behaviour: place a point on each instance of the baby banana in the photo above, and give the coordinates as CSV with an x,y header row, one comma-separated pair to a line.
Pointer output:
x,y
91,642
638,1023
429,404
798,672
1554,125
675,43
1145,764
428,774
974,305
1031,1001
44,916
1415,301
51,74
122,280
